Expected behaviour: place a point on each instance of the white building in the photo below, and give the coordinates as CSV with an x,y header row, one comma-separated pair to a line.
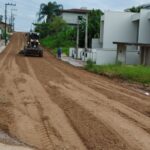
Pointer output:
x,y
123,27
144,6
71,15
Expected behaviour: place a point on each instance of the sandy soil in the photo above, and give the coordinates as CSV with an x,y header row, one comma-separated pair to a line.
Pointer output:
x,y
50,105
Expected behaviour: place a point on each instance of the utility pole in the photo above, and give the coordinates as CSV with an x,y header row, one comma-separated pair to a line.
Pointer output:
x,y
7,4
86,33
79,18
77,40
12,18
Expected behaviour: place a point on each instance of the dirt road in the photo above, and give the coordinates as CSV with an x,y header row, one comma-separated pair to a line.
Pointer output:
x,y
50,105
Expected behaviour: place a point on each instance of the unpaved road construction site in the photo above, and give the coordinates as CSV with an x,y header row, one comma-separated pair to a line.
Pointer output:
x,y
46,104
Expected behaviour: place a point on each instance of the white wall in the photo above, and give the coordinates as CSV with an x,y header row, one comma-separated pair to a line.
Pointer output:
x,y
89,55
105,57
73,53
95,43
118,26
144,28
71,18
133,57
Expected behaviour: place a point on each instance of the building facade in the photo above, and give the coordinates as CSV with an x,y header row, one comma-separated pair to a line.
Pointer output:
x,y
71,15
125,27
2,27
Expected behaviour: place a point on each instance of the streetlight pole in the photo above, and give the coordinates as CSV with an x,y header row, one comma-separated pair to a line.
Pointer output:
x,y
12,18
7,4
5,21
79,18
86,33
77,40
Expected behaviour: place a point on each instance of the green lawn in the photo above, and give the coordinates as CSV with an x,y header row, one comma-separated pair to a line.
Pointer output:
x,y
53,42
65,50
127,72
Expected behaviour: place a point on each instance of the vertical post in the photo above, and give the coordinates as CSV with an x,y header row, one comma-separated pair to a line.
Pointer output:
x,y
118,47
141,54
77,40
5,22
11,21
144,60
7,4
125,52
13,25
86,33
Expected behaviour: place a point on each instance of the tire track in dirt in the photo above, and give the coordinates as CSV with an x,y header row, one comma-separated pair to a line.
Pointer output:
x,y
115,144
61,131
103,100
91,91
56,106
6,95
129,112
142,119
34,114
107,87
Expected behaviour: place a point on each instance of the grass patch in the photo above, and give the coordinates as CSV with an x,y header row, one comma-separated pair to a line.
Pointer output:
x,y
55,41
65,50
127,72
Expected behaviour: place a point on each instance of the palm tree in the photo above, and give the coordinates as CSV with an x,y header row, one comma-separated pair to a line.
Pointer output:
x,y
49,11
134,9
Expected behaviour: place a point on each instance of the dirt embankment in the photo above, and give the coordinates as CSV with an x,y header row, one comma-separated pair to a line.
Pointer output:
x,y
48,104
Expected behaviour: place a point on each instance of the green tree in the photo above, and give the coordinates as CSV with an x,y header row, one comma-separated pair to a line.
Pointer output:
x,y
93,27
94,24
57,25
134,9
46,29
1,18
49,11
43,29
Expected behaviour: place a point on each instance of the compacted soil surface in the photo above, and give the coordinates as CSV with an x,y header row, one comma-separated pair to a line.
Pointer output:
x,y
46,104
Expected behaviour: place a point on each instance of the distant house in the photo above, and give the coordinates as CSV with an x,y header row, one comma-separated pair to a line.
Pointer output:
x,y
131,34
71,15
2,27
144,6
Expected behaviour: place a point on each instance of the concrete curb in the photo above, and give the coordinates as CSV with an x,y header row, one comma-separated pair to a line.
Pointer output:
x,y
74,62
2,46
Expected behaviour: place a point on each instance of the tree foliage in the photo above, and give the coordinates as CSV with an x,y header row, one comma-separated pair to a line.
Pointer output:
x,y
93,27
49,11
57,33
94,23
46,29
134,9
1,18
56,29
57,25
43,29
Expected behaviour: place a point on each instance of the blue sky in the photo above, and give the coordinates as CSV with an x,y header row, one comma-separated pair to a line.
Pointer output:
x,y
27,9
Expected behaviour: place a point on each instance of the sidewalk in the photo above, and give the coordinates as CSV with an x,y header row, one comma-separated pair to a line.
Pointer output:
x,y
9,143
2,45
12,147
74,62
